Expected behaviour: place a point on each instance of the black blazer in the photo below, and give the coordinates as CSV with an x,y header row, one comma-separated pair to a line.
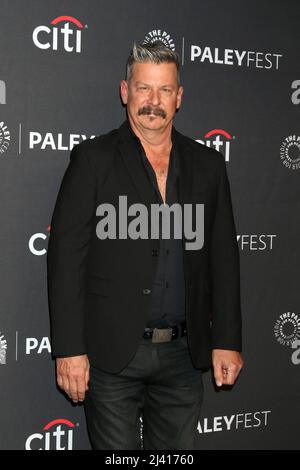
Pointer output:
x,y
99,290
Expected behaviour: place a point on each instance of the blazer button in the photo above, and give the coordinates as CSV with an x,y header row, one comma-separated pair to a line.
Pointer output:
x,y
155,252
146,291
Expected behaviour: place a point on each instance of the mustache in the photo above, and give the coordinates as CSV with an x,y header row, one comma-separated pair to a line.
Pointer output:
x,y
152,110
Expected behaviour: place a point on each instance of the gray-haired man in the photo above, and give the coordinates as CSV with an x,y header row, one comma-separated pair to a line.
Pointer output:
x,y
135,320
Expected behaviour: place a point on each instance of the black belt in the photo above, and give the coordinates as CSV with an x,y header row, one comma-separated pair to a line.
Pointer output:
x,y
165,334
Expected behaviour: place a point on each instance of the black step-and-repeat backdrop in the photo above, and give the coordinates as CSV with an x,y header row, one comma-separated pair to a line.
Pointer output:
x,y
60,67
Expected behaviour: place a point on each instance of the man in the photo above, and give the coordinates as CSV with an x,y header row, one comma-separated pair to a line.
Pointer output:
x,y
135,319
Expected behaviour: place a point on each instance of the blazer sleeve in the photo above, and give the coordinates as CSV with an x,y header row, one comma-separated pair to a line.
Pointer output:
x,y
67,255
225,270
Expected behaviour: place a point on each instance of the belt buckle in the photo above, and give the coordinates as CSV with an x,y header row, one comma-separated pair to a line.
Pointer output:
x,y
162,335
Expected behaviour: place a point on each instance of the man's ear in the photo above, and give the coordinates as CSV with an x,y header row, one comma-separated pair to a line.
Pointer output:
x,y
179,97
124,91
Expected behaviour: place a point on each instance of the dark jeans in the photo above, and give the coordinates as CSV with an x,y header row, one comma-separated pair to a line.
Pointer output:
x,y
161,385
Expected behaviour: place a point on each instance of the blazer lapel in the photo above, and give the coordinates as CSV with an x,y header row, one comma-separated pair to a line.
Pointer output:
x,y
193,179
186,170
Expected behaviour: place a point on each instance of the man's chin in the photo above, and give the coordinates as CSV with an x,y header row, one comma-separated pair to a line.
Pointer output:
x,y
152,121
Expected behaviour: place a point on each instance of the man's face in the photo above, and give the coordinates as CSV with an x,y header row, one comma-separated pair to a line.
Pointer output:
x,y
152,95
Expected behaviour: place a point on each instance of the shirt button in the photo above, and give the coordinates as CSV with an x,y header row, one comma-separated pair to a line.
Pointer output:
x,y
155,252
167,284
167,251
146,291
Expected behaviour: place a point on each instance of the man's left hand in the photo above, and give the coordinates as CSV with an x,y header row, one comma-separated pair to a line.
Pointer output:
x,y
227,365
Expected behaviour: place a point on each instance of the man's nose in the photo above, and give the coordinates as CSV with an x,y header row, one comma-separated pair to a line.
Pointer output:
x,y
154,97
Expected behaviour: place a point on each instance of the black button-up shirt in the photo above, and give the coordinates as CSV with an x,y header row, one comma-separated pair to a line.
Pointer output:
x,y
167,302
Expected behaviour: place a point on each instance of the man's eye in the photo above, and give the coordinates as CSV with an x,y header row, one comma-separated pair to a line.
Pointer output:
x,y
142,88
167,90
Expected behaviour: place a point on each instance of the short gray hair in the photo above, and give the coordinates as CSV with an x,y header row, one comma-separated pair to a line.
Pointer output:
x,y
155,52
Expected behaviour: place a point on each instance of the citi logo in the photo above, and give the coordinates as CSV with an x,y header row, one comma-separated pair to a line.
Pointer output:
x,y
35,244
58,435
68,37
218,139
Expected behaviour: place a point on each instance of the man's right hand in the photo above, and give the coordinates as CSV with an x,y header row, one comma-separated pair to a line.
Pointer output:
x,y
73,374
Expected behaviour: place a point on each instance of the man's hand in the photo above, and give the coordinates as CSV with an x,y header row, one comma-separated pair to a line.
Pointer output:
x,y
227,365
73,374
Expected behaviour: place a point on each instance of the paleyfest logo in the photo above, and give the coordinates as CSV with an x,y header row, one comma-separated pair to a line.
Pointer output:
x,y
290,152
2,92
161,36
287,333
234,57
239,421
59,141
3,349
4,137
